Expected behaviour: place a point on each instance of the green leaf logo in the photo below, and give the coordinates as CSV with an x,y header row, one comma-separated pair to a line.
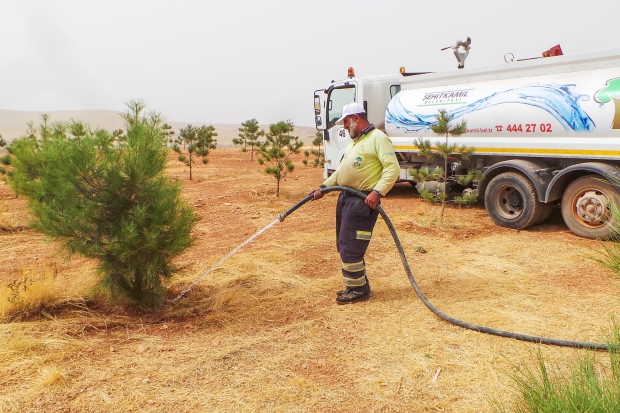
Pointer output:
x,y
611,92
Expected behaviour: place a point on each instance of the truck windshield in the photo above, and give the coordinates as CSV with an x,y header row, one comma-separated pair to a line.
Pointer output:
x,y
337,99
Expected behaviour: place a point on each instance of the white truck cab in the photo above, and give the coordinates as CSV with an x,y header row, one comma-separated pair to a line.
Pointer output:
x,y
373,92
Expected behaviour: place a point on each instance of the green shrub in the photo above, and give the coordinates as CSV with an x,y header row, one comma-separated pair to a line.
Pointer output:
x,y
105,196
588,385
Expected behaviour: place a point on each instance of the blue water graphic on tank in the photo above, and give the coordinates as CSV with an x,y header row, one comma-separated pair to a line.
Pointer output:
x,y
560,101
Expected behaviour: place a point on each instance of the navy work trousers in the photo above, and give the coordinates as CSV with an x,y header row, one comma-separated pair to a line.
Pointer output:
x,y
354,224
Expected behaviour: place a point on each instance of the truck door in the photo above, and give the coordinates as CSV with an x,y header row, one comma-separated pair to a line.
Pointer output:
x,y
336,138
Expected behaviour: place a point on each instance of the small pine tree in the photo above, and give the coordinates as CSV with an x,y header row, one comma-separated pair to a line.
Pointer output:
x,y
444,127
108,199
208,142
198,142
187,137
168,133
250,133
277,151
319,156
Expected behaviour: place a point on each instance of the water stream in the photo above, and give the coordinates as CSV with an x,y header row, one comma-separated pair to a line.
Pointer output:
x,y
224,258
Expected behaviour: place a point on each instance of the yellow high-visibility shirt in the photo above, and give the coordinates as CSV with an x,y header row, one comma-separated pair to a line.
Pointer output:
x,y
369,163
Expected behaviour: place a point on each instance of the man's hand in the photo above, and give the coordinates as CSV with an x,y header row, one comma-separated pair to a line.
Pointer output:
x,y
317,193
372,200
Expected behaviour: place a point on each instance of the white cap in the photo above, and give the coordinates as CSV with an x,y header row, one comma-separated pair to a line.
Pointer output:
x,y
350,109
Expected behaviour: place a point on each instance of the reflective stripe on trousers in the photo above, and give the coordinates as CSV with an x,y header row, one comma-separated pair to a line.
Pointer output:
x,y
354,224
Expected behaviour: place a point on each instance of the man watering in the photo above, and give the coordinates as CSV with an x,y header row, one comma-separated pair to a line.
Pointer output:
x,y
370,166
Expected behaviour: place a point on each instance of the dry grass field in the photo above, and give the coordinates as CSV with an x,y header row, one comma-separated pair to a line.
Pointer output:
x,y
262,332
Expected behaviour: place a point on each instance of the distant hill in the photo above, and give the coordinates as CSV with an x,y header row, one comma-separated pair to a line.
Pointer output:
x,y
13,124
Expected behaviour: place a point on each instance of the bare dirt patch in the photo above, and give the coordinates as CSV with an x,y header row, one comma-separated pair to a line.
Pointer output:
x,y
263,333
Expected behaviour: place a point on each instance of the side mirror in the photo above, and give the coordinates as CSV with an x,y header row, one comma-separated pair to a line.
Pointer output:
x,y
319,109
317,105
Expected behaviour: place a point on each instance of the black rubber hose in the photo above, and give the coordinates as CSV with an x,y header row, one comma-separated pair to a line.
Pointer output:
x,y
428,304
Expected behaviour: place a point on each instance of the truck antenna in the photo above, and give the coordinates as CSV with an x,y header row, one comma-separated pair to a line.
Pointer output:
x,y
460,56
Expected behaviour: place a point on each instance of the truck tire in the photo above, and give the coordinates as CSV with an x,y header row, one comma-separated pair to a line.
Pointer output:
x,y
586,207
511,202
547,210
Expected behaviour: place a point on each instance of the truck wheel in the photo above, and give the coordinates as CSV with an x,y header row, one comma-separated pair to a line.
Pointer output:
x,y
511,201
586,207
546,210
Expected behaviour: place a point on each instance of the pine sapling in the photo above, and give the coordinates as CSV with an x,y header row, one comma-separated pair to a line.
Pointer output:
x,y
444,127
106,196
250,133
276,152
319,156
196,142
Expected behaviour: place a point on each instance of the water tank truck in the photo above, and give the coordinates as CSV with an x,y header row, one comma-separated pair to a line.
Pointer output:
x,y
546,131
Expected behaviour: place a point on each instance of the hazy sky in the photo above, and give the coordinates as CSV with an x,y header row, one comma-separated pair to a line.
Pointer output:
x,y
227,61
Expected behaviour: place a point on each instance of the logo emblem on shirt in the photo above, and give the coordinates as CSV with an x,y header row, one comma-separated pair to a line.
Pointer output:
x,y
358,162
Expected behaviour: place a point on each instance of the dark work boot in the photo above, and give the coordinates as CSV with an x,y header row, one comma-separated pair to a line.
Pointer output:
x,y
346,289
354,295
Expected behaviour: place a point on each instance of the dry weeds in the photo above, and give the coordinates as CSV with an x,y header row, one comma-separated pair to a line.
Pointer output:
x,y
262,332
